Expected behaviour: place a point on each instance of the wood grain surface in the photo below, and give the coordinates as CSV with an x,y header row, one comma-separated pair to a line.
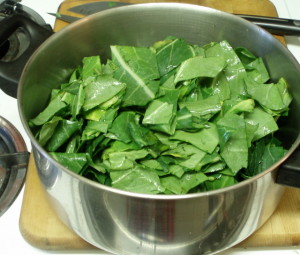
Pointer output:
x,y
40,226
254,7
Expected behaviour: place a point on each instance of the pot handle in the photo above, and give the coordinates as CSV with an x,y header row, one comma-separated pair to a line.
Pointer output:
x,y
11,71
289,172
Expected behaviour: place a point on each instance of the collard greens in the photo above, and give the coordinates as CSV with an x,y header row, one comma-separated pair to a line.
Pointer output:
x,y
172,118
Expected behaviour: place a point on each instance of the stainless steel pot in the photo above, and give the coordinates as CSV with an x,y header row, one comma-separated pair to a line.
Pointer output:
x,y
128,223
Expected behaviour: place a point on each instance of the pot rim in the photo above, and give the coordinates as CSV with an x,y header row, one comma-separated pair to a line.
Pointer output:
x,y
89,18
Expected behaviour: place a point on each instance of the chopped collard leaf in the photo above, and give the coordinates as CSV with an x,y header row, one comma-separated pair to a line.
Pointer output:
x,y
171,118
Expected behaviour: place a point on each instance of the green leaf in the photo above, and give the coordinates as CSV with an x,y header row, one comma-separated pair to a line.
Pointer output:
x,y
263,154
94,128
208,159
94,114
75,75
91,66
172,183
220,181
142,136
48,130
73,161
72,87
221,87
191,91
171,54
234,70
216,167
120,126
100,90
205,108
118,146
96,146
265,123
199,67
164,139
258,71
138,179
245,55
151,164
190,154
225,133
123,160
185,184
73,144
235,149
137,67
97,176
64,130
177,170
161,113
54,107
184,119
78,102
271,96
206,139
158,112
239,106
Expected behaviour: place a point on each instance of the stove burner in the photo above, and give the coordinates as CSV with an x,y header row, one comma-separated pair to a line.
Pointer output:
x,y
14,46
4,49
13,164
22,31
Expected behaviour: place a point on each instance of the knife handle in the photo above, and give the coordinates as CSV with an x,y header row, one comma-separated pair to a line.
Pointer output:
x,y
279,26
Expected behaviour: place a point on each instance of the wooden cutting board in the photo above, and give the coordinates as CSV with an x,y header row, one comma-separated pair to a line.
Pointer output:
x,y
40,226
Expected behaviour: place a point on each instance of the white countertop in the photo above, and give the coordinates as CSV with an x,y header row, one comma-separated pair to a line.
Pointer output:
x,y
12,242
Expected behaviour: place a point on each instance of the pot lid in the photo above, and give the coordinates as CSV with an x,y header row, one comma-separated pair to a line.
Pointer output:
x,y
13,164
